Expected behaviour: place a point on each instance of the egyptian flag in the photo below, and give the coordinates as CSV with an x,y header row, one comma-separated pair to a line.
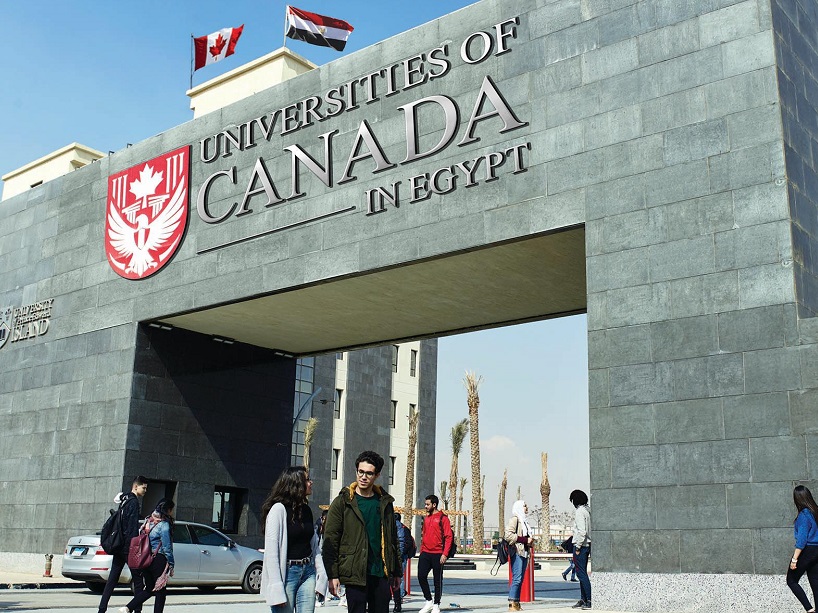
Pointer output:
x,y
217,46
317,29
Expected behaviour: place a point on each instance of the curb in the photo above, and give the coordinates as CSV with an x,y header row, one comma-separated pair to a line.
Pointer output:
x,y
37,586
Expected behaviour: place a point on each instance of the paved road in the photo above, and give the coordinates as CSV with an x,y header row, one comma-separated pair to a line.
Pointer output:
x,y
469,590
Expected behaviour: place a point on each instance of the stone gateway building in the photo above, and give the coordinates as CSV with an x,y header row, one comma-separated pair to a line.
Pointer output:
x,y
648,162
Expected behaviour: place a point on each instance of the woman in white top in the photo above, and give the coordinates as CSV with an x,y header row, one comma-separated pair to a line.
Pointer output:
x,y
582,546
518,534
292,557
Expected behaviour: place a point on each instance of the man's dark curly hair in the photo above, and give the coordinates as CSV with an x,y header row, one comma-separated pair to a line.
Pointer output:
x,y
370,457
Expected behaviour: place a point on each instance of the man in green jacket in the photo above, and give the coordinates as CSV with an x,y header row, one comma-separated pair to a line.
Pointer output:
x,y
360,547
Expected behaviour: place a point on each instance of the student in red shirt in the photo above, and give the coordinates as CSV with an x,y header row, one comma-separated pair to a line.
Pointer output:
x,y
437,539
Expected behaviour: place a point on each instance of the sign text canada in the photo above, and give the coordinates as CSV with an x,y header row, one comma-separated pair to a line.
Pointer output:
x,y
489,109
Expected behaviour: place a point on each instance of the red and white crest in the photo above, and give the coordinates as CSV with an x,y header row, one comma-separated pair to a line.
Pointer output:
x,y
147,214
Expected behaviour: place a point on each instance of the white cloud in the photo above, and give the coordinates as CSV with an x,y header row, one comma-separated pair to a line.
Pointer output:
x,y
497,443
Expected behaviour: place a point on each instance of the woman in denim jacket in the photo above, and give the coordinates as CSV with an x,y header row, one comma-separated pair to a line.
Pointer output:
x,y
160,528
805,556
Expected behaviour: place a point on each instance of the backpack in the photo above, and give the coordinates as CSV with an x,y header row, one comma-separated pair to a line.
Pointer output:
x,y
139,552
504,552
410,548
112,537
453,548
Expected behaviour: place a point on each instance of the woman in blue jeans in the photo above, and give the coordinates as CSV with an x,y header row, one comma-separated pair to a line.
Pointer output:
x,y
292,557
518,534
805,557
160,528
582,546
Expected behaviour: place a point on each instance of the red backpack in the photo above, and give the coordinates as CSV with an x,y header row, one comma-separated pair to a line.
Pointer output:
x,y
139,551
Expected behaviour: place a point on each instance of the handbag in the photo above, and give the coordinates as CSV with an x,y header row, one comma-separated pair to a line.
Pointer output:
x,y
140,555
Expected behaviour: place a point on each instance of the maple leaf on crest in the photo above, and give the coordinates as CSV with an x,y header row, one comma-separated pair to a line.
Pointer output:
x,y
146,184
217,47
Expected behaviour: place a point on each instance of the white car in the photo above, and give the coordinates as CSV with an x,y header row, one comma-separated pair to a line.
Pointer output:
x,y
204,557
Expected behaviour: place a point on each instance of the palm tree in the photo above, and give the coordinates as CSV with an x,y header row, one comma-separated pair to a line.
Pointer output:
x,y
443,486
461,519
409,492
502,501
482,509
459,432
309,434
472,383
545,494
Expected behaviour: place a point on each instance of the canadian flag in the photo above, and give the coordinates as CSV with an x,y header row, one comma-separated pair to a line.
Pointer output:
x,y
217,46
317,29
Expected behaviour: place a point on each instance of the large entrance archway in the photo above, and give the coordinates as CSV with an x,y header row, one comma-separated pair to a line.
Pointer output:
x,y
644,162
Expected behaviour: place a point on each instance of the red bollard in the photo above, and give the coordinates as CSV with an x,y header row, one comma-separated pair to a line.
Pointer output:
x,y
407,577
527,588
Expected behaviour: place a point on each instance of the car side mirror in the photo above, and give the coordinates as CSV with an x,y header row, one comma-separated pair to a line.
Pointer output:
x,y
231,544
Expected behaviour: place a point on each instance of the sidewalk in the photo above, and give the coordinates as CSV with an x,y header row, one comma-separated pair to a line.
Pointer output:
x,y
26,581
553,595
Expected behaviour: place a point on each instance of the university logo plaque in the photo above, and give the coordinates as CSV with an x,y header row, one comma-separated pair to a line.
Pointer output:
x,y
147,214
5,325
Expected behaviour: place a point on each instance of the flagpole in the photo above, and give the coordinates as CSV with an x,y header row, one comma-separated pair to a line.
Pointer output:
x,y
192,44
286,21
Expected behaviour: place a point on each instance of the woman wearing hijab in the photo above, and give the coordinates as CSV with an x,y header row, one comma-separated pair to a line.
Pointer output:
x,y
805,557
159,526
582,546
518,533
292,557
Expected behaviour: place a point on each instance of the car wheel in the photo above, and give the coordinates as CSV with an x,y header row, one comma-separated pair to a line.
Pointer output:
x,y
95,587
207,589
252,580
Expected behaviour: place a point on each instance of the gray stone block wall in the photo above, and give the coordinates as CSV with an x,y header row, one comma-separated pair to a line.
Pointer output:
x,y
796,51
207,415
696,348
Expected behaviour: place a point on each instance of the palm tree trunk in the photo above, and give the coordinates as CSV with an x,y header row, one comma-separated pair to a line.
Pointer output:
x,y
545,494
309,435
461,519
502,502
472,382
409,491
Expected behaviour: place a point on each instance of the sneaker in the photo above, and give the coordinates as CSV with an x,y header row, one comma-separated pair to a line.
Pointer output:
x,y
564,576
123,610
319,603
586,606
575,580
436,608
427,608
579,605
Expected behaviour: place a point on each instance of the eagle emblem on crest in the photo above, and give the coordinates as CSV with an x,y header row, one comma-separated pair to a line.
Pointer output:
x,y
146,214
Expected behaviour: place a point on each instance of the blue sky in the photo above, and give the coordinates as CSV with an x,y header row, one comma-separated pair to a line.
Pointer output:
x,y
110,73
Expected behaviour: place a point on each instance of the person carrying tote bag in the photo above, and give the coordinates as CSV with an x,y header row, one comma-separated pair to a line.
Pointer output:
x,y
159,528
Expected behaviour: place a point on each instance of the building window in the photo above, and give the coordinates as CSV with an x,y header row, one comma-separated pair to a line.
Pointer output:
x,y
336,459
392,470
227,503
412,409
339,394
394,358
413,363
304,373
394,416
339,355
